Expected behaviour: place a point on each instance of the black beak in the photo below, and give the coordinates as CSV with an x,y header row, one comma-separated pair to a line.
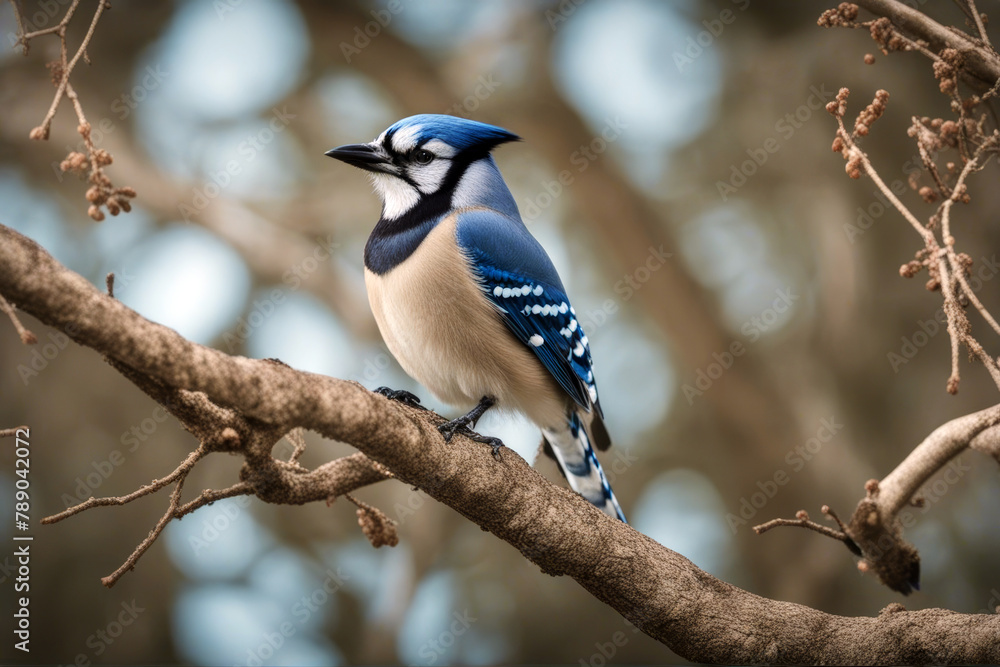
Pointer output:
x,y
364,156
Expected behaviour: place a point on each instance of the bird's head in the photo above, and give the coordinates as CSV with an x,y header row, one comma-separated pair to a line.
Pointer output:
x,y
423,158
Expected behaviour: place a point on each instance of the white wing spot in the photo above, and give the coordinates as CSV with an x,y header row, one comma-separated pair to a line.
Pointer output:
x,y
563,307
536,340
536,309
538,290
593,393
579,350
572,325
497,291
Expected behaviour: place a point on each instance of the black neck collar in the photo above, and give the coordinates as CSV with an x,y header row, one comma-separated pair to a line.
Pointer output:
x,y
394,240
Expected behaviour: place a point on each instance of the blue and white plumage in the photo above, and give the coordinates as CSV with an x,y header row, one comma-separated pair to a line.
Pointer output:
x,y
468,301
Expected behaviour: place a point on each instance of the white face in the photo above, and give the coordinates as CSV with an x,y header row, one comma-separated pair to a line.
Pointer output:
x,y
411,175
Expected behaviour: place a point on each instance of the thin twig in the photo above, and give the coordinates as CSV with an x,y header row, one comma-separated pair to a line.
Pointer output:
x,y
297,437
953,314
67,67
48,31
15,5
27,337
855,152
209,496
945,212
802,520
978,19
946,261
179,473
102,192
175,500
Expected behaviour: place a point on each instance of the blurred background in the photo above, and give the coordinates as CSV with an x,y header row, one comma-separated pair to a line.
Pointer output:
x,y
700,213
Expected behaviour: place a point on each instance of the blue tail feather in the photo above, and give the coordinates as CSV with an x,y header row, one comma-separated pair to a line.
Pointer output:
x,y
578,461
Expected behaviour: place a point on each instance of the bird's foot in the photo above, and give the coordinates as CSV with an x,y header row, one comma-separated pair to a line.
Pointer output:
x,y
495,443
402,396
465,423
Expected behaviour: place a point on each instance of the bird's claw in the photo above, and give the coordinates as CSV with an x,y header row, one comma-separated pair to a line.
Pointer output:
x,y
461,425
495,443
402,396
458,425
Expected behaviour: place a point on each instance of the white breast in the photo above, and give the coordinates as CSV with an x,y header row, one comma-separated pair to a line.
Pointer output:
x,y
447,335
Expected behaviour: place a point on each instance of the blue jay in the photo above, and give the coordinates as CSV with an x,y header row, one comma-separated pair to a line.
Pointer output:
x,y
468,301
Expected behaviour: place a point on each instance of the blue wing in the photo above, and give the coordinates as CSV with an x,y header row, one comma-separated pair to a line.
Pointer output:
x,y
518,277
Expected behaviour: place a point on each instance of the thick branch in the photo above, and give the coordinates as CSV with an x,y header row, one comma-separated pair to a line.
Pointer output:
x,y
661,592
946,442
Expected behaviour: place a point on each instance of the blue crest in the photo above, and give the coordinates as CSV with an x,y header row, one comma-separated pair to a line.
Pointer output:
x,y
454,131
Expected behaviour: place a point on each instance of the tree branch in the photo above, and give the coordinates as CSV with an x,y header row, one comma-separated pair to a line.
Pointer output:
x,y
661,592
875,531
982,62
897,489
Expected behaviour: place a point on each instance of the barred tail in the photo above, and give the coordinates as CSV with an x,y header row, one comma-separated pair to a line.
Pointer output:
x,y
571,449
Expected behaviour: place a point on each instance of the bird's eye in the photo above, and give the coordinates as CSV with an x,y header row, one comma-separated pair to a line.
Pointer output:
x,y
423,157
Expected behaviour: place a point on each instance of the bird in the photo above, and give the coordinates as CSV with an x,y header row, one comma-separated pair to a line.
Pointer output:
x,y
468,301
